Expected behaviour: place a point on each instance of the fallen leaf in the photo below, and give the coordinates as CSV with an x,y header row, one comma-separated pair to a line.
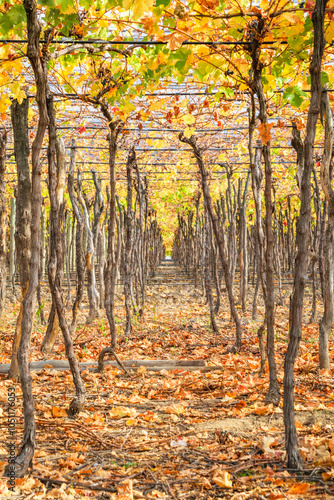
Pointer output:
x,y
157,494
122,411
150,416
106,474
299,488
206,483
176,409
141,369
222,478
58,412
124,490
265,443
263,410
178,443
131,421
276,495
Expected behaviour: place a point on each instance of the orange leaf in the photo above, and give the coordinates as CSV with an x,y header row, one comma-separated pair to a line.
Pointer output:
x,y
264,131
276,495
328,475
175,41
263,410
176,409
58,412
299,488
240,404
150,416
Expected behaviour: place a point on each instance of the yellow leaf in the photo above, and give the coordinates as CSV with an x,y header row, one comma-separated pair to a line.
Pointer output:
x,y
126,4
222,478
141,369
20,96
188,132
155,106
140,7
131,421
70,9
128,107
122,411
271,85
243,86
292,18
5,102
329,35
189,119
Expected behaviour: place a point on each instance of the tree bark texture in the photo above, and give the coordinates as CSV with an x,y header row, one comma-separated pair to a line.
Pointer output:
x,y
79,259
3,221
128,241
93,296
243,249
12,242
19,115
57,180
302,239
326,169
110,271
207,270
52,330
24,458
98,236
273,394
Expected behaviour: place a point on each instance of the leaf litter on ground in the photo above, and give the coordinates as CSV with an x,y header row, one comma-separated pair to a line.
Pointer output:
x,y
175,433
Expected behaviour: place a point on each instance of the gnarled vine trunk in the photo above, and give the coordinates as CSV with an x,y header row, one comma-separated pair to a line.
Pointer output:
x,y
295,460
57,181
208,204
26,453
129,222
273,394
110,270
3,222
19,115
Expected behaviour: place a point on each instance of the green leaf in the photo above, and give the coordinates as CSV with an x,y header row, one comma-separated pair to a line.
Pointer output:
x,y
163,3
324,78
294,95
